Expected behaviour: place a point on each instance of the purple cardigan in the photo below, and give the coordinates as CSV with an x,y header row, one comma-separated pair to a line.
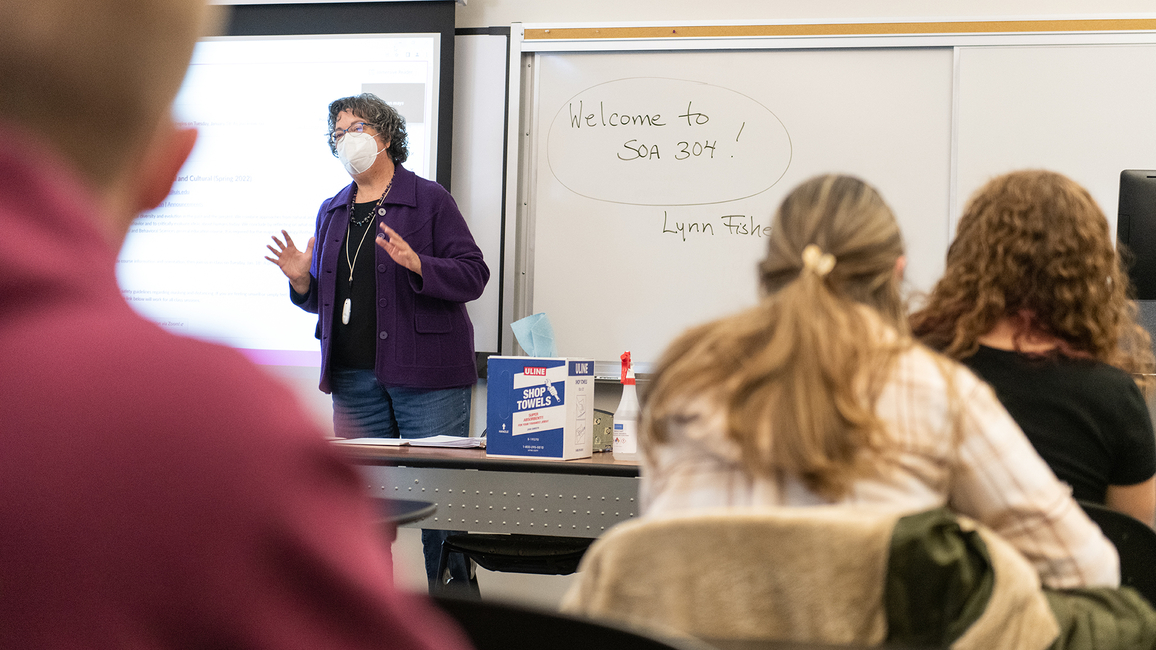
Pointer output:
x,y
425,339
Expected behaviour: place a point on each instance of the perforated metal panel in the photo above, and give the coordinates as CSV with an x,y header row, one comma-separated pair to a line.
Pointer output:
x,y
575,505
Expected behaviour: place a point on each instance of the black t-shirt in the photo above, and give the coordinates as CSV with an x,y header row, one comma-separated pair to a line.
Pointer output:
x,y
1088,420
354,345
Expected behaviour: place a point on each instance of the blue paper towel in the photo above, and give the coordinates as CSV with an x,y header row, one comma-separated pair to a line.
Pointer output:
x,y
536,335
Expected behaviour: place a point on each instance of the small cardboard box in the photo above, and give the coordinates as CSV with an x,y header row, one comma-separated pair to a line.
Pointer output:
x,y
603,430
540,407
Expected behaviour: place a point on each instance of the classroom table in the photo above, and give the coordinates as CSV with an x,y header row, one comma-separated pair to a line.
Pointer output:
x,y
399,512
473,492
395,513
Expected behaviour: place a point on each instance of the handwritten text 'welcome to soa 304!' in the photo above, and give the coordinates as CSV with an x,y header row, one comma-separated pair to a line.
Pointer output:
x,y
666,142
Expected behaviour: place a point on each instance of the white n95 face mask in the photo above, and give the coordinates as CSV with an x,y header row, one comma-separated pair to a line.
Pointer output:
x,y
357,151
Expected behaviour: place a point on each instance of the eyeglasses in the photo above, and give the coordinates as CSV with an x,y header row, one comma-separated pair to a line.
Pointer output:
x,y
358,127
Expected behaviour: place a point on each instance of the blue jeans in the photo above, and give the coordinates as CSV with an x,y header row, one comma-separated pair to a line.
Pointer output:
x,y
363,408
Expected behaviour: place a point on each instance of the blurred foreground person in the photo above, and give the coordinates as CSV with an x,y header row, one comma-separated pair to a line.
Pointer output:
x,y
155,491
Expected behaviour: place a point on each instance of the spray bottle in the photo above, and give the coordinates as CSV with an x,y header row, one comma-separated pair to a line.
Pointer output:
x,y
626,415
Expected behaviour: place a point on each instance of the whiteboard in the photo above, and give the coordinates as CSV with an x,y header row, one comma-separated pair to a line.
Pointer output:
x,y
1087,111
653,176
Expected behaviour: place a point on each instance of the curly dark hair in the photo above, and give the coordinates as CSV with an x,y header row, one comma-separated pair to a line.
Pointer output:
x,y
378,114
1034,247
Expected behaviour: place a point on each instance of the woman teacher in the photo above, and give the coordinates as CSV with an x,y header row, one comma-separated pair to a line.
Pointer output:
x,y
388,271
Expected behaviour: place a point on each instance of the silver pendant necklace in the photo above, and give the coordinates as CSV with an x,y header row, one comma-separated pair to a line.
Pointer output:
x,y
347,308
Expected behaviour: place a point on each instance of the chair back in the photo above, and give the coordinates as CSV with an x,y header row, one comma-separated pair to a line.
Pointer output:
x,y
502,626
818,575
807,574
1136,544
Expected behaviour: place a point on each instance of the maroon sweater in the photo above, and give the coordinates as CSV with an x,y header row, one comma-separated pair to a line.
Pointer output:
x,y
155,491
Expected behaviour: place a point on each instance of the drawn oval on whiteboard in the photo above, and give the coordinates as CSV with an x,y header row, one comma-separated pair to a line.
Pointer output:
x,y
666,142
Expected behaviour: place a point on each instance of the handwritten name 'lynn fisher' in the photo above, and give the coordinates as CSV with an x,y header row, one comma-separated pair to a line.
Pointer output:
x,y
731,224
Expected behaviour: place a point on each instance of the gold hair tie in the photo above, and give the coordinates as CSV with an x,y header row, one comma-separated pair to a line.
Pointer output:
x,y
816,261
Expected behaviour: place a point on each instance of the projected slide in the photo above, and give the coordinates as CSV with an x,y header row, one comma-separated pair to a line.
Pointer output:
x,y
262,164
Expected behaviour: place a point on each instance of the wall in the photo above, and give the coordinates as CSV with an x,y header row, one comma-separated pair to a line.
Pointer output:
x,y
486,13
492,13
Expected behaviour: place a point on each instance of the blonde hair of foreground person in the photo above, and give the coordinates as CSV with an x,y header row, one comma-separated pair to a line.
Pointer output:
x,y
804,359
100,96
1029,248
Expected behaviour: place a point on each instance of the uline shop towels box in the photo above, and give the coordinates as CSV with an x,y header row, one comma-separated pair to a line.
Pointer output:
x,y
540,407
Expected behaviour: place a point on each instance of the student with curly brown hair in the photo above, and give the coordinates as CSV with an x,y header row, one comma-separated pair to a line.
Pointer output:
x,y
1035,301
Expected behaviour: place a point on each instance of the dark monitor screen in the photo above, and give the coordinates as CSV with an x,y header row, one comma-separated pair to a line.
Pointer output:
x,y
1136,229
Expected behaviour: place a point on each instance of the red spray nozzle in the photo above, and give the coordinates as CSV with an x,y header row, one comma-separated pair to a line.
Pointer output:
x,y
627,373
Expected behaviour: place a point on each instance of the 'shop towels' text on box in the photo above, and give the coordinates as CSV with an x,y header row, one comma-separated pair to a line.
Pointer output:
x,y
540,406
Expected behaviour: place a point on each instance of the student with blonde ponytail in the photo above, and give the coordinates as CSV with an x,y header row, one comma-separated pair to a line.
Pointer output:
x,y
818,395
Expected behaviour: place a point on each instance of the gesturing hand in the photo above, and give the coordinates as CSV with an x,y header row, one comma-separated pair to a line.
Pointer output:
x,y
293,262
400,251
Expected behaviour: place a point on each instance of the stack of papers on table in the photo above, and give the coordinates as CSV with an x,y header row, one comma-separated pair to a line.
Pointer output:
x,y
433,441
